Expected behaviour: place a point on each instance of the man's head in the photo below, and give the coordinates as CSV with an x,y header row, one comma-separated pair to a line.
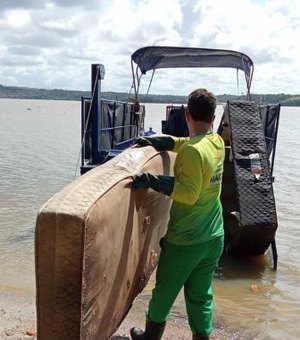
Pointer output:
x,y
202,105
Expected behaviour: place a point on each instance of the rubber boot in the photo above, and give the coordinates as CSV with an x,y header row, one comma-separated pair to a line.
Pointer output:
x,y
154,331
200,337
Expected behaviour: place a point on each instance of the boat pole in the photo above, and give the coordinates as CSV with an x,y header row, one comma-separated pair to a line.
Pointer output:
x,y
97,74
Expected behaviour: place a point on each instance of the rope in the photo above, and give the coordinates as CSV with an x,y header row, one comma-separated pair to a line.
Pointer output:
x,y
86,123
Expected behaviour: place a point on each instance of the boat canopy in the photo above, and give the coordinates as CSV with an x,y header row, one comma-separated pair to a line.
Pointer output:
x,y
157,57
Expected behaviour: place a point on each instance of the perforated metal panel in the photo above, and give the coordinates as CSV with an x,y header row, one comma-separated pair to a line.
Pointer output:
x,y
255,214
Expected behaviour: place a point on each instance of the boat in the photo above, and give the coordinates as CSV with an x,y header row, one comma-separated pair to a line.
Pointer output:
x,y
246,232
97,241
249,131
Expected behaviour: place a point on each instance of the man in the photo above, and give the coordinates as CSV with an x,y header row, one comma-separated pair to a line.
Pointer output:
x,y
193,243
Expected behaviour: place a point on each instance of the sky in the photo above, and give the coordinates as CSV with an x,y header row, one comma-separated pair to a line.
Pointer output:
x,y
52,44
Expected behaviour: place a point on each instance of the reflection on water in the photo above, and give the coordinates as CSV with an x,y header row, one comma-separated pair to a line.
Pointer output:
x,y
240,267
39,153
239,284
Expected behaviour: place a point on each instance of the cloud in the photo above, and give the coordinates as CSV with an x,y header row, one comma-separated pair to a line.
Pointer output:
x,y
53,43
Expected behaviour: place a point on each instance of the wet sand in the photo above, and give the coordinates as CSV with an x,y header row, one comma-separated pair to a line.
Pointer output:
x,y
18,320
177,327
17,315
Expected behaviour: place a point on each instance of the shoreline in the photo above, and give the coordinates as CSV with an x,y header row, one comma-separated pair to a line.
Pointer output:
x,y
177,327
18,320
17,314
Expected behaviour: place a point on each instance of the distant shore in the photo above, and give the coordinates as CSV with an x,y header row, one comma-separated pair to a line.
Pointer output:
x,y
15,92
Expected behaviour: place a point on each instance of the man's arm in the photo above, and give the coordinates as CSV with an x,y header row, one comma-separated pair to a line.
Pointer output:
x,y
163,184
160,143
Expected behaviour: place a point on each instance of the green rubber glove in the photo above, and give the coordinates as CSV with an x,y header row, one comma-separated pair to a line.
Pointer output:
x,y
163,184
160,143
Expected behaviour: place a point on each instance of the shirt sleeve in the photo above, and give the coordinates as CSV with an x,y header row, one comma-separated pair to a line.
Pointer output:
x,y
188,176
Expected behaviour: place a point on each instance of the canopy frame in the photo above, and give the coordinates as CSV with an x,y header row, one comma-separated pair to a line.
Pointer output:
x,y
151,58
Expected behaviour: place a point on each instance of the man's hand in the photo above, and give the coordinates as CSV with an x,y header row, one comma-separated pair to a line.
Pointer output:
x,y
143,141
141,180
160,143
163,184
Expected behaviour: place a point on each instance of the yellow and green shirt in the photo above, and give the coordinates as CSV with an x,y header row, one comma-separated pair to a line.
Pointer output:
x,y
196,213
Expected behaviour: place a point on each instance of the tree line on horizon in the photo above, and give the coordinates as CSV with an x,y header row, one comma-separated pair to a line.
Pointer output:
x,y
57,94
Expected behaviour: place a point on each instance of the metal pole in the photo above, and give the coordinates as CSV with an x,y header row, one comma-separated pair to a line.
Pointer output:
x,y
97,75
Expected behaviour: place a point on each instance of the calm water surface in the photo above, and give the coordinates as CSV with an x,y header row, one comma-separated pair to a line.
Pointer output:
x,y
39,153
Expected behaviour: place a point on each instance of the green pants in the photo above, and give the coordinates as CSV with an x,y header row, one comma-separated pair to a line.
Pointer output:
x,y
191,267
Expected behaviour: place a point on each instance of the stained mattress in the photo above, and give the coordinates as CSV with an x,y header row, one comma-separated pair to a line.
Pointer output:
x,y
96,245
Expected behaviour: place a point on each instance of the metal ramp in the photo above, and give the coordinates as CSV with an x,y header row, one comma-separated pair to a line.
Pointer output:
x,y
250,219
